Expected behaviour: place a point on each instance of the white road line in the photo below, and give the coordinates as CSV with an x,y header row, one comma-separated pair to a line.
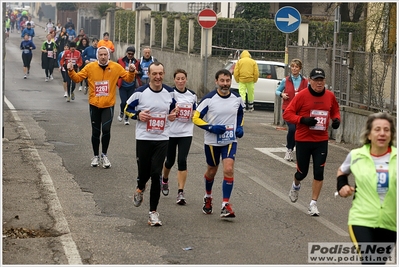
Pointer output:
x,y
270,152
55,208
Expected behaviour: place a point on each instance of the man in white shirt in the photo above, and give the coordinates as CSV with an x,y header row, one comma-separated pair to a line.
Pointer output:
x,y
32,24
49,26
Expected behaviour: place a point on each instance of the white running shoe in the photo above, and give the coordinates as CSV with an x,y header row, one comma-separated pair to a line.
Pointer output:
x,y
313,211
105,161
94,161
293,195
46,79
80,88
25,76
153,219
127,122
120,117
65,94
289,155
51,77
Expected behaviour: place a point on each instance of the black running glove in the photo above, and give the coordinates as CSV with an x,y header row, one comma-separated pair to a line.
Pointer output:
x,y
309,121
335,123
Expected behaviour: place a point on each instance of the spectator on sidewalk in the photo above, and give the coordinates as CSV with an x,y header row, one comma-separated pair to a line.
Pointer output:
x,y
246,74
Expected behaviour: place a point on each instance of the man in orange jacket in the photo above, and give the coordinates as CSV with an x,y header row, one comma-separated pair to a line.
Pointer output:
x,y
102,76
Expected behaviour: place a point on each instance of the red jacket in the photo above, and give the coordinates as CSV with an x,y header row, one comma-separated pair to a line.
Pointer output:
x,y
136,63
290,90
75,57
304,104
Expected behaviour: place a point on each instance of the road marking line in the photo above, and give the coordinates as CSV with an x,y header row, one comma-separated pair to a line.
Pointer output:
x,y
300,207
270,152
55,208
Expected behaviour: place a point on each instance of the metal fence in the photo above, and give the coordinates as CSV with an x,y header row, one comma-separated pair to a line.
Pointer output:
x,y
359,79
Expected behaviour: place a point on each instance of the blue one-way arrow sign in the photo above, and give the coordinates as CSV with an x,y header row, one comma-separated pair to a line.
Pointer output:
x,y
287,19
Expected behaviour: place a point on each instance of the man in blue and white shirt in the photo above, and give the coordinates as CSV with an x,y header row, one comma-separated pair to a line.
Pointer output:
x,y
221,114
153,106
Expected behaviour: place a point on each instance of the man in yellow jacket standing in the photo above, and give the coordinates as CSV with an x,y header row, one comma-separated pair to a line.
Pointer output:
x,y
246,74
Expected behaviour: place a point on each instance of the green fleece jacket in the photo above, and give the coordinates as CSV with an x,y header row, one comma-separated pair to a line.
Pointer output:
x,y
366,207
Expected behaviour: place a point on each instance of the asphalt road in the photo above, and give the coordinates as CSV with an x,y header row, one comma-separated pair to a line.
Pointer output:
x,y
88,213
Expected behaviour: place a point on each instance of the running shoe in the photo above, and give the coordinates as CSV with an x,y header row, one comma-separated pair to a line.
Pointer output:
x,y
80,88
46,79
165,188
227,212
313,211
25,76
73,96
207,208
51,77
293,194
120,117
180,199
153,219
251,109
85,90
289,155
105,161
94,161
65,94
127,121
68,99
138,197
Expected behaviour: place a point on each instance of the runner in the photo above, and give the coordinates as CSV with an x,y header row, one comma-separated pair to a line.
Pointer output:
x,y
102,76
49,48
153,106
221,114
74,57
27,46
180,136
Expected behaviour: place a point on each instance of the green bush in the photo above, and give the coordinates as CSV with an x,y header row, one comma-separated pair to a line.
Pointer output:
x,y
125,21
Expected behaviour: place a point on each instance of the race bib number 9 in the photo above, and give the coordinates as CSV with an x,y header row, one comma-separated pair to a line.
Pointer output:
x,y
321,117
185,112
382,180
101,88
227,136
156,124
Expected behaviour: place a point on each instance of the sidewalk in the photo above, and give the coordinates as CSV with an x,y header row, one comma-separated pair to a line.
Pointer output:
x,y
27,227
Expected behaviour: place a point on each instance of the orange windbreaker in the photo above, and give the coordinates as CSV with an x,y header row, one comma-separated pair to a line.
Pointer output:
x,y
95,75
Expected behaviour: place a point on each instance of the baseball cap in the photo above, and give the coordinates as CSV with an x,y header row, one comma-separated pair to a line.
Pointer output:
x,y
317,73
131,49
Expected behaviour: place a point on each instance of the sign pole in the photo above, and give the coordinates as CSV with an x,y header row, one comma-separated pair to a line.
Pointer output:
x,y
206,61
286,55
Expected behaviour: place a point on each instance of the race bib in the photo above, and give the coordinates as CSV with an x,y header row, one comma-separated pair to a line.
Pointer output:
x,y
382,179
227,137
26,51
73,61
50,53
185,112
101,88
30,38
321,116
145,71
156,123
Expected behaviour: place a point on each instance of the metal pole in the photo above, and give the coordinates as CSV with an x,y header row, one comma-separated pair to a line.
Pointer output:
x,y
206,60
348,63
3,68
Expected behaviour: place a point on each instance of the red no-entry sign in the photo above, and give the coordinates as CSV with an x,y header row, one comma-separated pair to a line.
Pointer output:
x,y
207,18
